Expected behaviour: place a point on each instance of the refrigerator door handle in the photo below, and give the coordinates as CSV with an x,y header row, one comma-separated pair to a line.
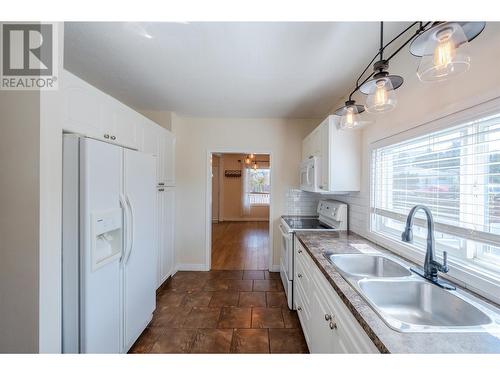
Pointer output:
x,y
126,227
130,230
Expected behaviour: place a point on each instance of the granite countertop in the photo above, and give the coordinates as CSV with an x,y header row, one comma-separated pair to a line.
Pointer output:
x,y
386,339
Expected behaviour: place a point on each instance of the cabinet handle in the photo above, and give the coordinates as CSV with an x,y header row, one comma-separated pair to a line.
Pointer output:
x,y
161,183
299,308
106,136
300,251
328,317
161,189
333,325
299,275
113,137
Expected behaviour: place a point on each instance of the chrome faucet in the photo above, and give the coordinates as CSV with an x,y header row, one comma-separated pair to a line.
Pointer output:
x,y
431,265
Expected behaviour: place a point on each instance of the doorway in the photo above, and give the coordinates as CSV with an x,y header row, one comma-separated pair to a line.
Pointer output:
x,y
240,207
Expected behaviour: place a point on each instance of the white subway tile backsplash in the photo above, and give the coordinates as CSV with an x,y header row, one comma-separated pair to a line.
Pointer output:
x,y
300,202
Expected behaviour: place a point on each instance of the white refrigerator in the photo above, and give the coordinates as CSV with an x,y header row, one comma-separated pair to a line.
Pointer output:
x,y
109,264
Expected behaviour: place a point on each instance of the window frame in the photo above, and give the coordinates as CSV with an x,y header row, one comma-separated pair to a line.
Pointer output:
x,y
475,274
255,193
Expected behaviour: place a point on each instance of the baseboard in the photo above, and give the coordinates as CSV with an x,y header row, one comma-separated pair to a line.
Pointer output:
x,y
190,267
245,219
275,268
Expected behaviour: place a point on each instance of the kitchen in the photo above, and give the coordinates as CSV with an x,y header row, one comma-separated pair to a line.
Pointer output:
x,y
381,230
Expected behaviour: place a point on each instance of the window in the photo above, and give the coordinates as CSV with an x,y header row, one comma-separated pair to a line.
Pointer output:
x,y
258,186
456,173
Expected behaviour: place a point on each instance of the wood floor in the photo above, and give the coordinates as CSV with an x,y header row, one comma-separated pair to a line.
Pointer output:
x,y
226,311
241,245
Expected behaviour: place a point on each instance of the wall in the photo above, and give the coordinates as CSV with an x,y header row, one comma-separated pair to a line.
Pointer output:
x,y
420,102
162,118
196,137
19,220
232,188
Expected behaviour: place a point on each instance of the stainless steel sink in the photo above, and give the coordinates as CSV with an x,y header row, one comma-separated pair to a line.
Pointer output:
x,y
416,305
367,265
408,303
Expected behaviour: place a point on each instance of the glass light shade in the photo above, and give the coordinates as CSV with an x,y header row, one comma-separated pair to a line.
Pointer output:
x,y
247,160
445,54
381,97
350,119
254,165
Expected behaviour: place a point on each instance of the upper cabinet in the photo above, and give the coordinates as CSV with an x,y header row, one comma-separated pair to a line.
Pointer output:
x,y
339,155
161,143
311,145
89,111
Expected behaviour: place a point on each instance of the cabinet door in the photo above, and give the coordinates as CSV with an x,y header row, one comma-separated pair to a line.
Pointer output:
x,y
158,236
169,161
126,123
323,339
81,109
169,231
162,150
166,199
150,137
325,155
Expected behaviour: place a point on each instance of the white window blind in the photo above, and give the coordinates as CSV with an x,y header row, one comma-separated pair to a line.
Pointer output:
x,y
456,173
259,186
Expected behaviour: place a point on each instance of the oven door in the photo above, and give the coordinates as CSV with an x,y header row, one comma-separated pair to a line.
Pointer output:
x,y
286,251
286,263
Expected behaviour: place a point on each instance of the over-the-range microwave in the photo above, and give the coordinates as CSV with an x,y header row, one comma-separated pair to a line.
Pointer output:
x,y
310,174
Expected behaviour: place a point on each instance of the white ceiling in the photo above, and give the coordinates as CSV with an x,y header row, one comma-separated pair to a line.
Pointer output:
x,y
277,69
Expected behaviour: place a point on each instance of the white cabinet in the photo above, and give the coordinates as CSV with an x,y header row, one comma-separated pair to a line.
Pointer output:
x,y
340,156
165,232
161,143
328,325
90,112
151,133
311,145
126,125
169,167
81,107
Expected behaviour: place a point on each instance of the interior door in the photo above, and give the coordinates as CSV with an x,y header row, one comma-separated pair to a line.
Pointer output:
x,y
139,259
100,187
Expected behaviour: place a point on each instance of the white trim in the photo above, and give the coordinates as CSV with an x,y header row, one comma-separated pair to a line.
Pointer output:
x,y
253,219
482,283
274,268
208,201
190,267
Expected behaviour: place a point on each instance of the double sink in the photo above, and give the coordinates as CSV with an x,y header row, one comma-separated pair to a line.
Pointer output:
x,y
407,302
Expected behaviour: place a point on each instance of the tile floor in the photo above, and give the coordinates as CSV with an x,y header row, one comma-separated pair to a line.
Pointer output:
x,y
229,311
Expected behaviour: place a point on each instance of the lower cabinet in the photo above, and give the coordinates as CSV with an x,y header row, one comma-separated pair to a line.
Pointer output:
x,y
165,232
328,325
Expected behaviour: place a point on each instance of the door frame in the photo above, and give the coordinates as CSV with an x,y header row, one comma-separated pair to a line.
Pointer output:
x,y
208,207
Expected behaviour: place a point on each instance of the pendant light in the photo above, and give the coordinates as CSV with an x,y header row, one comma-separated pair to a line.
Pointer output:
x,y
349,114
248,160
254,165
380,89
443,49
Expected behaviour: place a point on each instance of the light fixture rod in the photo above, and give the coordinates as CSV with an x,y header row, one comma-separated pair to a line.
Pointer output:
x,y
421,28
381,50
408,41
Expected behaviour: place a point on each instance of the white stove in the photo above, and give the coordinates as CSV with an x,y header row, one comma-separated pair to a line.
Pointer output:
x,y
332,216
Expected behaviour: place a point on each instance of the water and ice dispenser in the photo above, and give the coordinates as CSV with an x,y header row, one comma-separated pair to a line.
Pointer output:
x,y
106,237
